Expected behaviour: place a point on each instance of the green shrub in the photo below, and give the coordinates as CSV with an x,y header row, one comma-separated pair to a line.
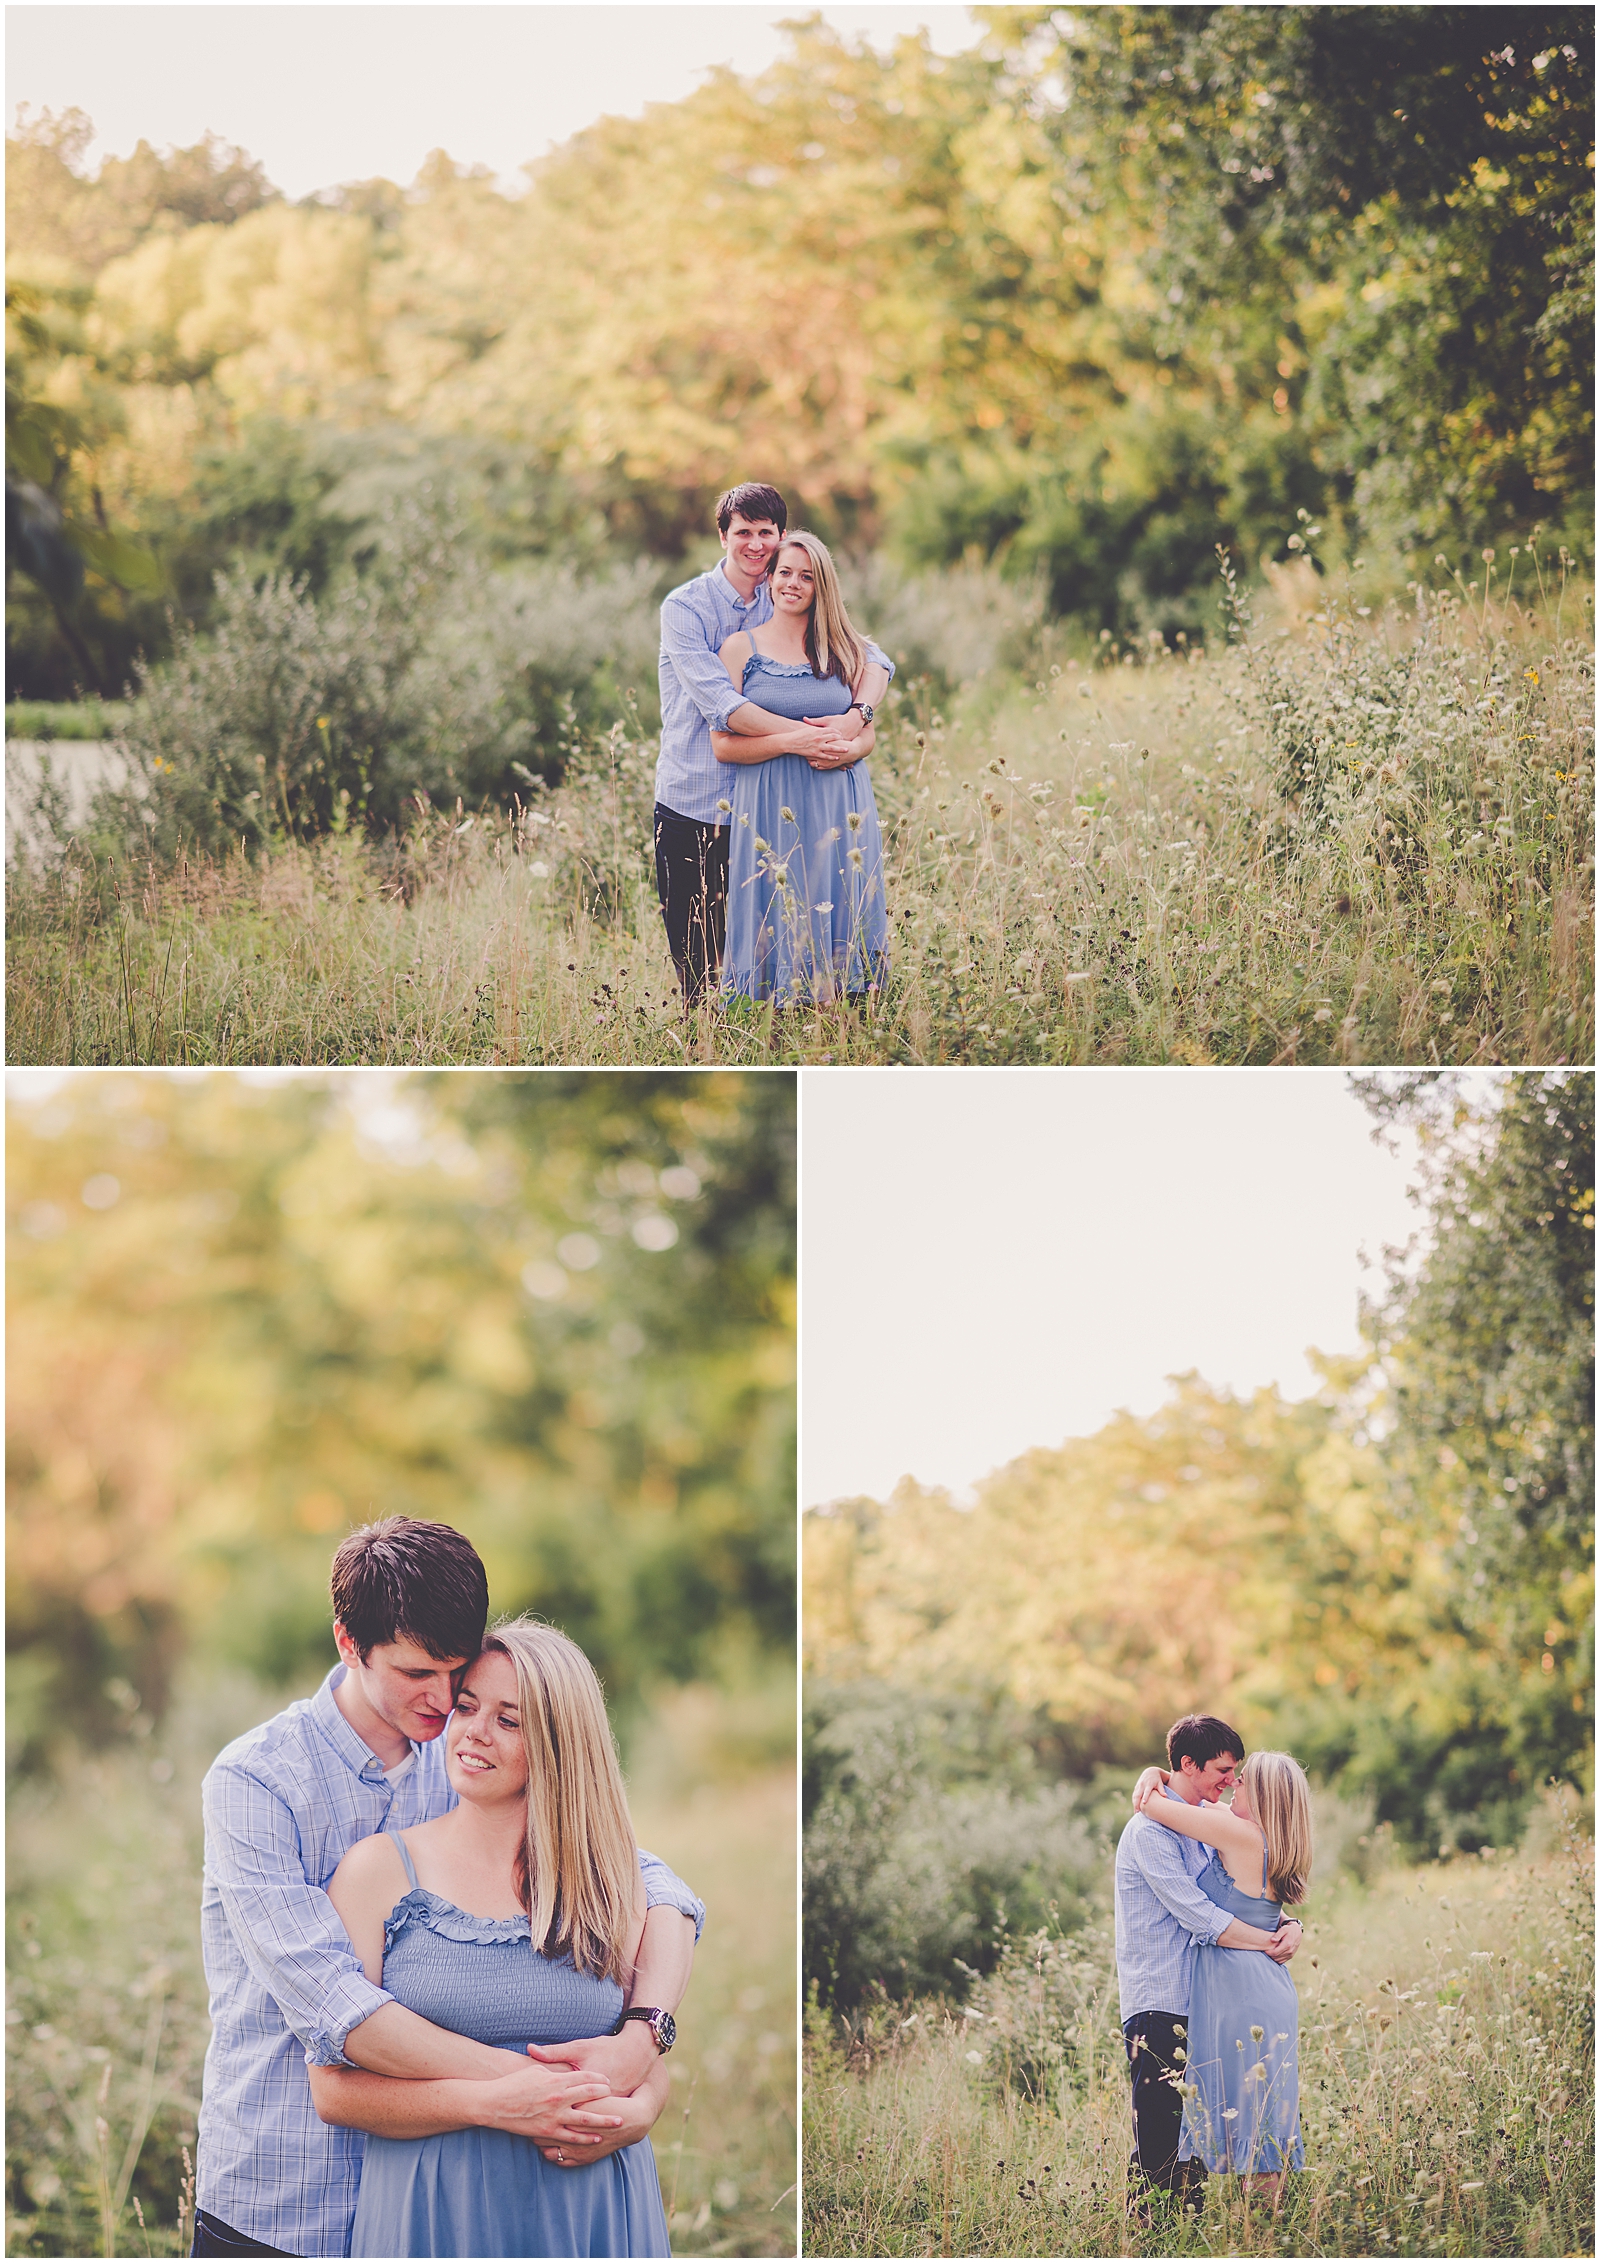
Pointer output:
x,y
929,1835
425,678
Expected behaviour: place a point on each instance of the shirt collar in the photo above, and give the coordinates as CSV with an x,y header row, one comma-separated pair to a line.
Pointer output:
x,y
744,603
357,1756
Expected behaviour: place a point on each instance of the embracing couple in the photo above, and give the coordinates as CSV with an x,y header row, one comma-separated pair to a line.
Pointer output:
x,y
442,1973
1209,2016
769,860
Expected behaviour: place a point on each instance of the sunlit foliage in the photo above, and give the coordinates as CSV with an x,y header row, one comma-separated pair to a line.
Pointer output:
x,y
245,1317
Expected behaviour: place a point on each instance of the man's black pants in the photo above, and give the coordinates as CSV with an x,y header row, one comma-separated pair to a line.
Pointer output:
x,y
213,2237
692,882
1153,2041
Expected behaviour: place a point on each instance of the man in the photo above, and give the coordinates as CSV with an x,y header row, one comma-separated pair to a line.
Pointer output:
x,y
1161,1914
282,1805
697,619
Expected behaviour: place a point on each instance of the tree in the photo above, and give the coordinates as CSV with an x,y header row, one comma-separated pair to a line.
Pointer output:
x,y
1384,215
1489,1351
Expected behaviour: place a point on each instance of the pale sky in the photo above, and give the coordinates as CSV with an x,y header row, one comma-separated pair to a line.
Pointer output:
x,y
999,1259
324,94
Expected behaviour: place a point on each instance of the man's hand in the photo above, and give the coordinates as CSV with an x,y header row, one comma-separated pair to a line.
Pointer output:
x,y
621,2061
552,2105
637,2114
1286,1940
833,744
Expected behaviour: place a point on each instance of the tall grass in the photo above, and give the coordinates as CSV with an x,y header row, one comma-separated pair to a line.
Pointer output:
x,y
106,2022
1349,837
1446,2069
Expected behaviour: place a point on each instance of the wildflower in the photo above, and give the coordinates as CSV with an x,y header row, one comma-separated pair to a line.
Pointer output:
x,y
974,2058
787,815
854,821
857,860
726,807
1230,2113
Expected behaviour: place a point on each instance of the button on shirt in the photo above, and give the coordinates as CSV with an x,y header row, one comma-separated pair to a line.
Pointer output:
x,y
697,698
1161,1914
283,1805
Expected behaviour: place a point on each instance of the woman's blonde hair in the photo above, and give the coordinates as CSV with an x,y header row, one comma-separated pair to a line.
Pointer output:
x,y
834,646
578,1868
1280,1801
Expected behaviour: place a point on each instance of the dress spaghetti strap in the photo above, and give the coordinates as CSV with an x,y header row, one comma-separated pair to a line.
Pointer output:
x,y
1265,1891
405,1857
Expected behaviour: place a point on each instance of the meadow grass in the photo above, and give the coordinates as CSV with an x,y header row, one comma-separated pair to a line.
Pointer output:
x,y
1446,2068
1352,836
106,2007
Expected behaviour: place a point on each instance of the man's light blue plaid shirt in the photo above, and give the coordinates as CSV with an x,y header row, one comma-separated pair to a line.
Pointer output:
x,y
1161,1914
283,1805
697,619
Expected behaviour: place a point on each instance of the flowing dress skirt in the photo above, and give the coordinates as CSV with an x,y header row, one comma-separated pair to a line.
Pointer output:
x,y
807,919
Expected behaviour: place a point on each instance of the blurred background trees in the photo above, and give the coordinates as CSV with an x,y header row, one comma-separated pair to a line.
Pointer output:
x,y
246,1316
1394,1580
1078,304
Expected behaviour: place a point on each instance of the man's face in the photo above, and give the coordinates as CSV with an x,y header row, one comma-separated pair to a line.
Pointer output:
x,y
407,1687
1216,1777
750,543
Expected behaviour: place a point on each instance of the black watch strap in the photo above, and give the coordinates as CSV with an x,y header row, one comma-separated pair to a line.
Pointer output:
x,y
662,2025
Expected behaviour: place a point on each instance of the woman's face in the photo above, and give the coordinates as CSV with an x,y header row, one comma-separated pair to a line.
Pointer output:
x,y
1241,1801
483,1749
794,581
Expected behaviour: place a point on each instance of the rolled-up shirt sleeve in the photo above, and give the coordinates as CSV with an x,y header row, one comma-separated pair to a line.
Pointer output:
x,y
685,642
288,1932
875,652
664,1889
1158,1856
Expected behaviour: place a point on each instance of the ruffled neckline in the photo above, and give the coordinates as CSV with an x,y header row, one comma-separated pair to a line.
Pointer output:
x,y
455,1924
783,667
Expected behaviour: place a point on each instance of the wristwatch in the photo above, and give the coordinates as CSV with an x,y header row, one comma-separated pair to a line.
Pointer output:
x,y
662,2025
866,707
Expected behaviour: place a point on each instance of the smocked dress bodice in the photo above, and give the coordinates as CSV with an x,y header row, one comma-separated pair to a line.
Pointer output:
x,y
482,1977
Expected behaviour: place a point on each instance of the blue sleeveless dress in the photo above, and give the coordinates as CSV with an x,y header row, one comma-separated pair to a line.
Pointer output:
x,y
807,917
483,2191
1244,2113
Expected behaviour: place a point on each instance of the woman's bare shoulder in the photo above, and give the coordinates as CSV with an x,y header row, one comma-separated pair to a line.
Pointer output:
x,y
737,649
371,1866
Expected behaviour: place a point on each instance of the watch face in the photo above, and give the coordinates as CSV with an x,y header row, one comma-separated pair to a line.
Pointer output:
x,y
666,2028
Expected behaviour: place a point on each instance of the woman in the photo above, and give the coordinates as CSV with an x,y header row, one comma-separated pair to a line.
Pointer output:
x,y
1242,2098
515,1919
807,920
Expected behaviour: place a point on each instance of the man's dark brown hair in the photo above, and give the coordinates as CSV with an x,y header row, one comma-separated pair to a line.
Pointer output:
x,y
403,1580
1200,1737
753,502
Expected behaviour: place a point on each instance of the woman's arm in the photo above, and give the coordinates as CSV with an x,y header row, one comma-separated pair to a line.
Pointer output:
x,y
364,1889
552,2105
768,735
1217,1826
